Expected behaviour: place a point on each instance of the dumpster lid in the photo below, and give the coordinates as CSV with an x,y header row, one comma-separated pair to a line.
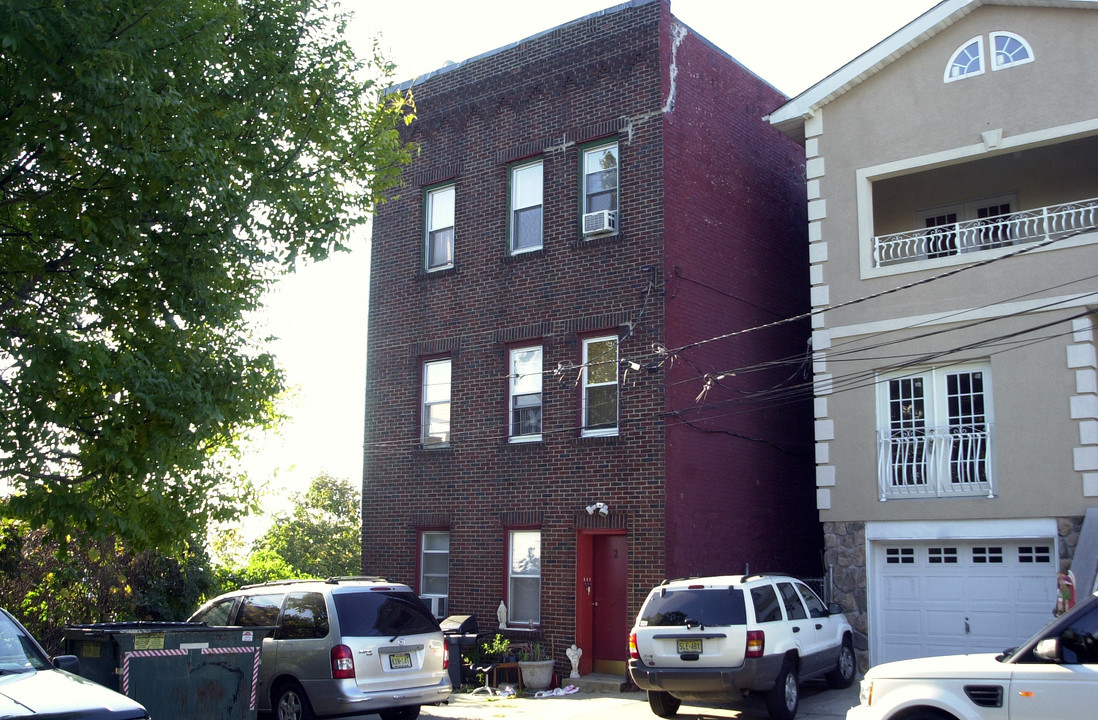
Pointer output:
x,y
460,624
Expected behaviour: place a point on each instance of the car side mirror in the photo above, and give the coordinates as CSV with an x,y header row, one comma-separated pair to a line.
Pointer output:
x,y
834,609
68,663
1049,650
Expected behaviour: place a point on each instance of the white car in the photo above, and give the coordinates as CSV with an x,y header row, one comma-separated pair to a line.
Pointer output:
x,y
720,639
1052,676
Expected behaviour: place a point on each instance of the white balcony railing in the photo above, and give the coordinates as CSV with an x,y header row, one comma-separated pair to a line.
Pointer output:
x,y
952,461
1018,228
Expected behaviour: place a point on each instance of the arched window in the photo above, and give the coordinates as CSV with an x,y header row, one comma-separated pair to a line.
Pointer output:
x,y
1009,50
967,61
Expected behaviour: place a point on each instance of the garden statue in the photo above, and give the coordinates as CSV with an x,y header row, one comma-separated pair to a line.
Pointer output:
x,y
574,654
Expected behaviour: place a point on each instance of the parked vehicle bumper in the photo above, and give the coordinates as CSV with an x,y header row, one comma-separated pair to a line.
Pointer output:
x,y
755,674
340,697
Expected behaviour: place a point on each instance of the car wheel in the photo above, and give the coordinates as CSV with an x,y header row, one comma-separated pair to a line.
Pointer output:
x,y
663,704
408,712
290,703
782,699
845,668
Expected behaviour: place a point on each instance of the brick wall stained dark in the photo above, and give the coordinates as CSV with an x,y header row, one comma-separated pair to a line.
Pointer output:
x,y
730,253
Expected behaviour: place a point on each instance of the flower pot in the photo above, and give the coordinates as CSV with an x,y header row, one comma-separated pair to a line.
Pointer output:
x,y
536,674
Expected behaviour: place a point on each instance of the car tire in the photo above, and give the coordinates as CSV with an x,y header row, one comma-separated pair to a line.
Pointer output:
x,y
290,703
408,712
845,667
783,698
663,704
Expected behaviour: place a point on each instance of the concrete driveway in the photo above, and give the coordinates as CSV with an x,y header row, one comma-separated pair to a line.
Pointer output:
x,y
817,703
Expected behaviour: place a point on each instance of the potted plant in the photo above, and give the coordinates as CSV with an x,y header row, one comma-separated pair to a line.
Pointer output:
x,y
536,665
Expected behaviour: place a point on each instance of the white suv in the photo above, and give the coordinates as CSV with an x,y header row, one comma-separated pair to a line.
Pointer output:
x,y
1052,675
340,646
719,639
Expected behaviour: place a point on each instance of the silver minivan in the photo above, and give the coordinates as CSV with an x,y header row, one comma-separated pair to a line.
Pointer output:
x,y
340,646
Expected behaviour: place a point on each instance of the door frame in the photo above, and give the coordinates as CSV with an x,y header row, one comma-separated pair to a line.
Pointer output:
x,y
585,563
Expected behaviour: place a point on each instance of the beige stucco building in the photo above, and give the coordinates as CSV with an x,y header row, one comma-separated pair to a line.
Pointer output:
x,y
953,205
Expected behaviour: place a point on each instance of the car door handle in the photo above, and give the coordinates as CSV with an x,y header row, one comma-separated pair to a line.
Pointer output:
x,y
819,626
796,628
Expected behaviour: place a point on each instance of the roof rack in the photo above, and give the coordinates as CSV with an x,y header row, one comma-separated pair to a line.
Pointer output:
x,y
366,578
274,583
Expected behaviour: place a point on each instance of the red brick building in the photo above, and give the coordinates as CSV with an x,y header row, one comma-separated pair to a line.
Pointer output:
x,y
562,407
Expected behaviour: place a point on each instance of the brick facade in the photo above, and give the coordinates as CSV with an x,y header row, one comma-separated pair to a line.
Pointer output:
x,y
711,230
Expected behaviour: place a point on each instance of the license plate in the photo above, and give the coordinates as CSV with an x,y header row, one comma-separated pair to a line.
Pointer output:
x,y
400,661
689,646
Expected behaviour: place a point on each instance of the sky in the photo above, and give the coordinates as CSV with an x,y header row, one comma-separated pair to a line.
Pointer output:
x,y
319,314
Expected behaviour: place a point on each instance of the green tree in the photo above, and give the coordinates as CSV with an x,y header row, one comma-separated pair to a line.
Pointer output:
x,y
162,162
50,585
320,537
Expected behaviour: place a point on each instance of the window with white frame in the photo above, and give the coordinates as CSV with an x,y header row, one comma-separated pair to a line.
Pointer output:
x,y
600,189
599,381
524,577
967,60
436,402
434,564
526,207
935,436
970,226
439,249
1009,50
525,375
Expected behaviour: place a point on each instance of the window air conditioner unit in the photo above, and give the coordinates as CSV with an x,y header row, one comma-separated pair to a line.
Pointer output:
x,y
438,605
603,221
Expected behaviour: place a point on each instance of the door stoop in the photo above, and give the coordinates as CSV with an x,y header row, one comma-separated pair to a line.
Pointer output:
x,y
601,683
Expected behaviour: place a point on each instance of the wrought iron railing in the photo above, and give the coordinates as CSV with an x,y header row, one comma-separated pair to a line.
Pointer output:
x,y
1027,226
952,461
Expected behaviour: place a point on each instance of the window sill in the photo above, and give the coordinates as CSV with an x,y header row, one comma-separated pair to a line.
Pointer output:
x,y
525,440
597,439
441,272
523,255
434,447
596,240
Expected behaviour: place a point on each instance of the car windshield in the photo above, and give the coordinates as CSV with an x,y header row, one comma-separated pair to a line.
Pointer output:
x,y
18,653
694,606
378,614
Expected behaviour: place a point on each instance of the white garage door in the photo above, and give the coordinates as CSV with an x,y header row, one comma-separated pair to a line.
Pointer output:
x,y
959,596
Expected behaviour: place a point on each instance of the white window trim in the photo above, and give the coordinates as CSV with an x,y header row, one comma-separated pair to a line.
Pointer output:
x,y
584,385
511,622
511,381
996,65
594,148
423,551
512,208
936,408
426,405
979,40
429,228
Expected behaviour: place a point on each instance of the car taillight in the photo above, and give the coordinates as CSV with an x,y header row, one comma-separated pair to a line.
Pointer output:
x,y
343,663
633,652
446,656
756,643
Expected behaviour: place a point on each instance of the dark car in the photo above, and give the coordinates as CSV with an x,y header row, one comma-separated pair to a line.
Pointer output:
x,y
33,685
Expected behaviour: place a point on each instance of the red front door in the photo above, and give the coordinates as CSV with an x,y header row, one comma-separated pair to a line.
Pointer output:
x,y
610,623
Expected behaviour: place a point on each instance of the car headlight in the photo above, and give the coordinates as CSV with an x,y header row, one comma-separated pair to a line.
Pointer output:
x,y
865,697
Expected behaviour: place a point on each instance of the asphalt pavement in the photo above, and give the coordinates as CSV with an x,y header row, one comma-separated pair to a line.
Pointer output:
x,y
817,703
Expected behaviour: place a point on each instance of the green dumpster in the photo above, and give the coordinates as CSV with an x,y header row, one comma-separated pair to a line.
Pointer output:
x,y
176,670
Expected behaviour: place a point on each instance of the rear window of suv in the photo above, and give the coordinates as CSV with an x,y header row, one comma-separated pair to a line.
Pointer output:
x,y
382,614
694,606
